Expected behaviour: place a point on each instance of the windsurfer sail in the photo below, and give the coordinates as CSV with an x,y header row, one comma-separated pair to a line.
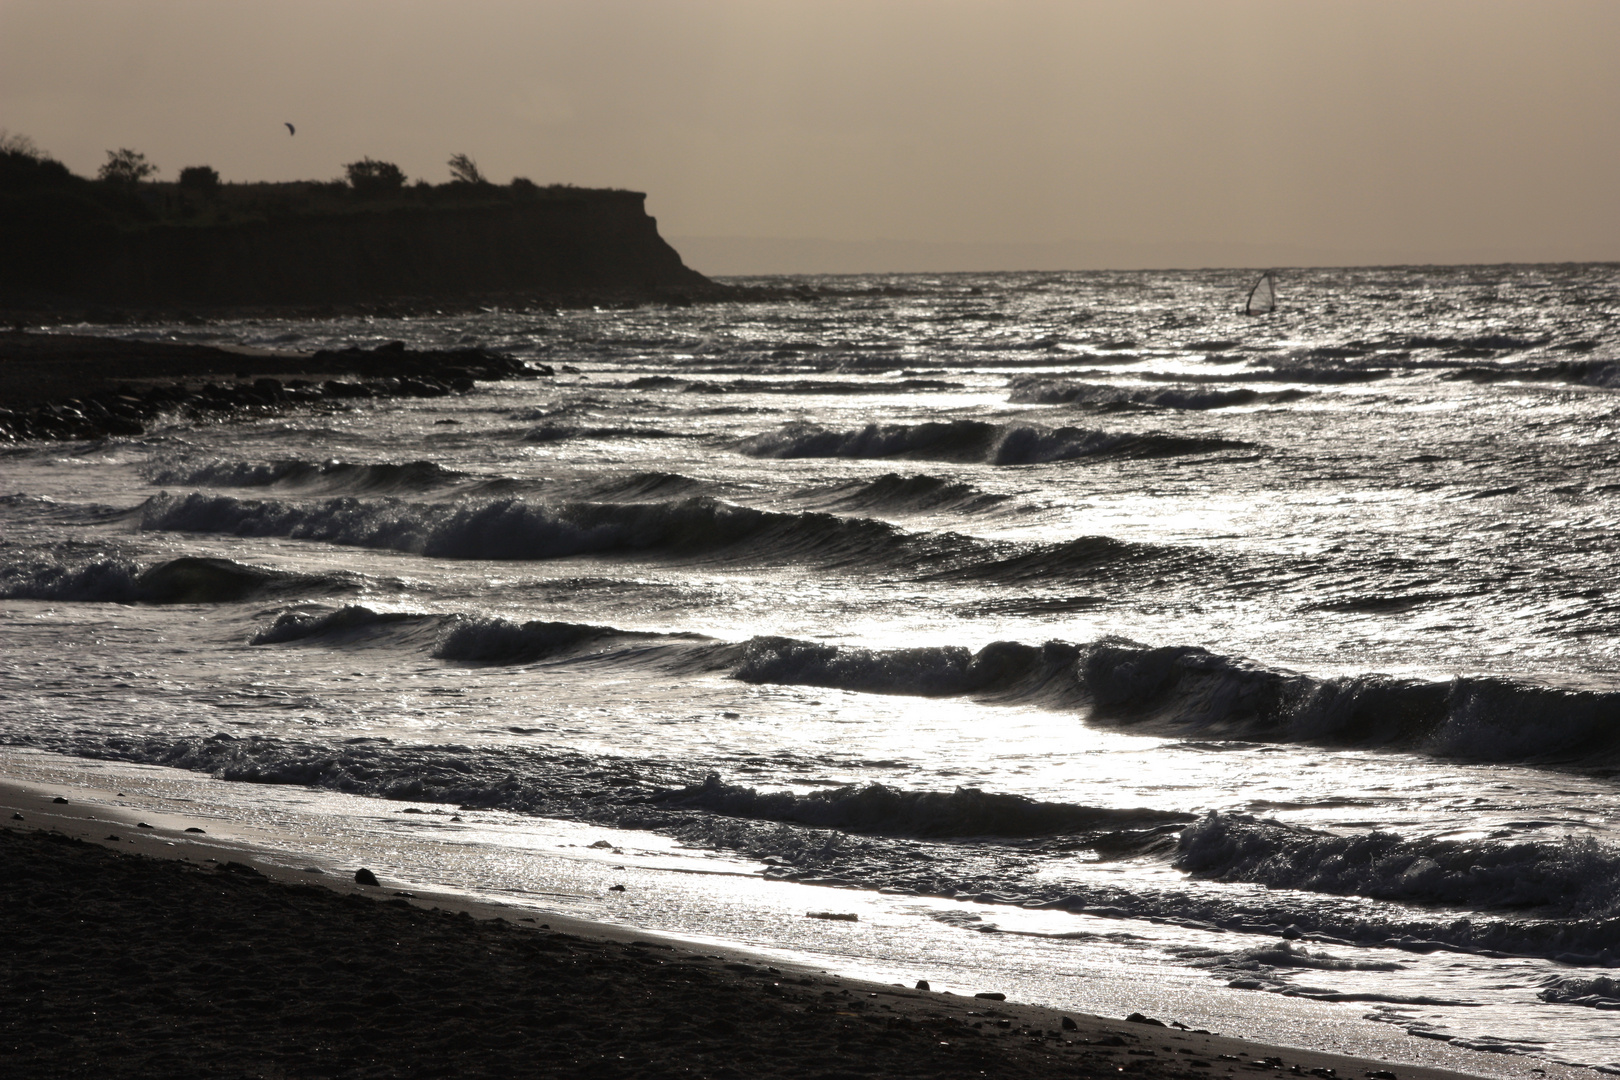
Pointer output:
x,y
1263,296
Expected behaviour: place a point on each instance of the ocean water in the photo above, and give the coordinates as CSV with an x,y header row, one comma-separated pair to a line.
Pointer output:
x,y
1062,624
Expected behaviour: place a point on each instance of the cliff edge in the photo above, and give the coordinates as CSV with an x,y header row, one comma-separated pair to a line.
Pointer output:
x,y
557,243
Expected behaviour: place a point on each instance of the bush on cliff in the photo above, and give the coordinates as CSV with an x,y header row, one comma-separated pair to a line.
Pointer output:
x,y
374,178
199,179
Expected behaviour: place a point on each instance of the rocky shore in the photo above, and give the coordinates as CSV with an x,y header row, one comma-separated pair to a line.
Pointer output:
x,y
56,386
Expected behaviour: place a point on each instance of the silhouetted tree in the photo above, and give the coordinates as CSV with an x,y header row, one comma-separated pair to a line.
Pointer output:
x,y
369,177
464,170
125,166
20,145
200,179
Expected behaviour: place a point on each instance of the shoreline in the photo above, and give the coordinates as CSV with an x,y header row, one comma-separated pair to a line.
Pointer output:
x,y
787,1021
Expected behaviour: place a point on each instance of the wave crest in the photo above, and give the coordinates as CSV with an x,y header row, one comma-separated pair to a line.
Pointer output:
x,y
350,622
1188,690
1041,390
326,477
973,441
519,530
1570,878
498,641
894,492
186,580
884,811
1602,992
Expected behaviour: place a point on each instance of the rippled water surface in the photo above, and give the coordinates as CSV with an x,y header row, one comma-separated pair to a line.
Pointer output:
x,y
1284,650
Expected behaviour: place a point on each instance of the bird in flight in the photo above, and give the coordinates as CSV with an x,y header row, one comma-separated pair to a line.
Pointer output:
x,y
290,129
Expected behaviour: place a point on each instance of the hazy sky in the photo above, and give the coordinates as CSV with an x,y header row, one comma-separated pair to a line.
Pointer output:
x,y
1360,131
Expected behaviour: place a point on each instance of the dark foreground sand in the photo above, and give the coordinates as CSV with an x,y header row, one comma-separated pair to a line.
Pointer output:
x,y
147,952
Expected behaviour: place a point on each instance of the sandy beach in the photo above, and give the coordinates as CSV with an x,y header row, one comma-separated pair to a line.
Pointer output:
x,y
149,948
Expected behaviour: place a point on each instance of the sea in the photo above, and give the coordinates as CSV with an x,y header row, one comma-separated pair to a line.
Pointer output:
x,y
1069,635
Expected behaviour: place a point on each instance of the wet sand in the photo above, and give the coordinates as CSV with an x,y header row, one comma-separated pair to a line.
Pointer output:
x,y
147,952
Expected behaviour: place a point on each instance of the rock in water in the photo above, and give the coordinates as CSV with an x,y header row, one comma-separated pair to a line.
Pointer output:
x,y
922,984
363,876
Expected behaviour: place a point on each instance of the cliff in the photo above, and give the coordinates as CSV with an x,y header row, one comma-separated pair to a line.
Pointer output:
x,y
560,243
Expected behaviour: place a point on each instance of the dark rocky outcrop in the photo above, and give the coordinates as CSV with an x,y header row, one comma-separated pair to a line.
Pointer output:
x,y
64,387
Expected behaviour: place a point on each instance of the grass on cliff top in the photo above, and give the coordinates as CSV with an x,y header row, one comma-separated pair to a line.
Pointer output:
x,y
41,196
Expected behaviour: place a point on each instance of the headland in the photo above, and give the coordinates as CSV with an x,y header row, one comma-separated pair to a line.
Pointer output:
x,y
109,249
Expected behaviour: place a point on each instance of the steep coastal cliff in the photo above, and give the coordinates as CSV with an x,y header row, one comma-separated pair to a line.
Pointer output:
x,y
551,243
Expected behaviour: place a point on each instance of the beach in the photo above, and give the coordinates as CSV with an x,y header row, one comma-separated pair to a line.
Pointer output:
x,y
1070,637
151,951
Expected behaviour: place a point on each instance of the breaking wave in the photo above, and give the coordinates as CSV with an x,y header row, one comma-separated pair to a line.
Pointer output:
x,y
516,529
647,485
791,386
1281,954
1039,390
350,623
498,641
308,477
1569,878
896,493
963,813
464,638
1185,690
1082,557
186,580
974,441
1176,691
1179,691
546,433
1601,992
691,528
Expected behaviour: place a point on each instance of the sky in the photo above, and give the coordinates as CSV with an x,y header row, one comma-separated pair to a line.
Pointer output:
x,y
873,135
